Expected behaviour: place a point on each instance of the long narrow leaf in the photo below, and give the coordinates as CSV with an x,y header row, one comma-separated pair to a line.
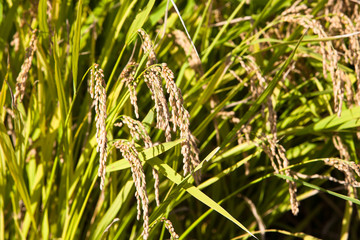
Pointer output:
x,y
167,171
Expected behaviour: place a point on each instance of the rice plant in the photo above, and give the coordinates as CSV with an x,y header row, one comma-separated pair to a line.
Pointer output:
x,y
179,119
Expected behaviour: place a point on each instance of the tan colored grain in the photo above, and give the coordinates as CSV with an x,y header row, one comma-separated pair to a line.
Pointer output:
x,y
130,153
127,76
138,131
98,94
25,68
179,115
182,40
169,226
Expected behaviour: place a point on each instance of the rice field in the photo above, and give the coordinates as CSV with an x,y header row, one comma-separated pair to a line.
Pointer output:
x,y
179,119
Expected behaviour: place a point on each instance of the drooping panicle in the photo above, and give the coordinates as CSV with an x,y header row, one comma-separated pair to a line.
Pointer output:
x,y
138,131
127,77
25,68
130,153
97,89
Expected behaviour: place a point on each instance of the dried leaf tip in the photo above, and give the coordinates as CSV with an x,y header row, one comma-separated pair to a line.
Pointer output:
x,y
98,94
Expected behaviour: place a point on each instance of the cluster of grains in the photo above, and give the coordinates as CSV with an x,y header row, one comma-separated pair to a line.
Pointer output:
x,y
257,81
330,56
180,118
278,159
179,115
138,132
338,18
274,150
350,8
15,43
10,126
98,94
344,18
346,166
243,135
130,153
182,40
153,81
257,216
280,156
127,76
25,67
170,228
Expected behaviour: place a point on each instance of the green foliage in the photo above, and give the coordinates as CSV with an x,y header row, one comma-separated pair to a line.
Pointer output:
x,y
49,184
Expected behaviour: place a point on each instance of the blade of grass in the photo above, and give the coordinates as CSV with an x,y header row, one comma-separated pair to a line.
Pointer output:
x,y
59,81
167,171
115,30
76,44
187,33
42,17
113,210
139,21
7,152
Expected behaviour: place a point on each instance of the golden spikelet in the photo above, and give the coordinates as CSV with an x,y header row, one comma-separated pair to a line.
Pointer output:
x,y
98,94
179,115
25,67
180,119
128,78
153,81
330,56
274,150
130,153
169,226
138,131
182,40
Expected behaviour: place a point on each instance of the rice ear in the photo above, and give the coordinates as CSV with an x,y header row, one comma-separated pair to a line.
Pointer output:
x,y
98,93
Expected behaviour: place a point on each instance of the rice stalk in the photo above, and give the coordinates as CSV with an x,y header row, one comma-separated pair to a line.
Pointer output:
x,y
97,91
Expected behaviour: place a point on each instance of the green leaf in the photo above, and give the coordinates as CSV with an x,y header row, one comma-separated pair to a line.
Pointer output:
x,y
7,153
335,122
175,177
139,21
76,44
221,32
113,210
116,26
42,17
59,81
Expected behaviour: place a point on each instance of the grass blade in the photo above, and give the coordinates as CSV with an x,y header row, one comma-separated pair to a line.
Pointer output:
x,y
76,44
139,21
167,171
